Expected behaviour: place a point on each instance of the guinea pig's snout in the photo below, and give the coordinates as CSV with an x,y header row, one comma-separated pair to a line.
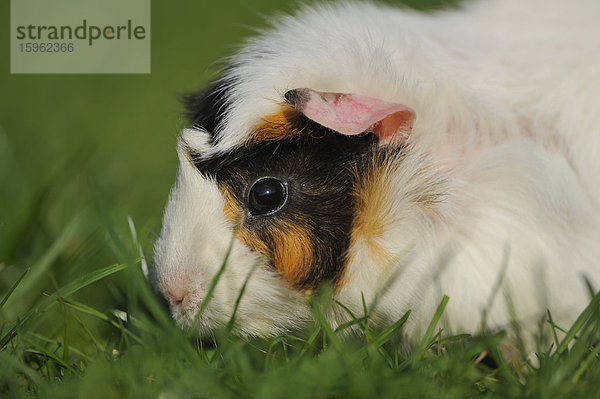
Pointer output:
x,y
176,296
183,295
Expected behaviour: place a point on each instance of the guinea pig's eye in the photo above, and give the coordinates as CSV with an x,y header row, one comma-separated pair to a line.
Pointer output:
x,y
267,196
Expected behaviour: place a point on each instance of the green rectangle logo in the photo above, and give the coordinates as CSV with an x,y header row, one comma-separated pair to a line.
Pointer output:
x,y
80,36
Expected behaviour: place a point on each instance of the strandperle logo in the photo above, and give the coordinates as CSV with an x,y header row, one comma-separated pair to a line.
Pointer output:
x,y
85,31
80,36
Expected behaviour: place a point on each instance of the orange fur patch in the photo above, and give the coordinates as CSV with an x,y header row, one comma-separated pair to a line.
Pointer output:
x,y
278,126
293,253
231,209
375,201
252,241
372,212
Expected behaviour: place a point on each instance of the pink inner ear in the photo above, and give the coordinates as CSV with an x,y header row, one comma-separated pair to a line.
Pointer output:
x,y
352,114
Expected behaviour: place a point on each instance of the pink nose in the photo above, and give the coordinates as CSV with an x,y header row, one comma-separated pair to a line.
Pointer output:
x,y
182,292
176,296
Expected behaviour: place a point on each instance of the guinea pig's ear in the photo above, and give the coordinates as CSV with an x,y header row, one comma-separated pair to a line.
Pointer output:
x,y
352,114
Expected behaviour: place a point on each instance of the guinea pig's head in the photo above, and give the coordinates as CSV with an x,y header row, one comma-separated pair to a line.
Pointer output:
x,y
277,215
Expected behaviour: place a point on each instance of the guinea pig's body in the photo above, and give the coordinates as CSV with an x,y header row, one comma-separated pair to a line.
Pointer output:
x,y
395,155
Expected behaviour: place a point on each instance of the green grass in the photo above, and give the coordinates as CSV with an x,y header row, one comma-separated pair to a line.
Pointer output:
x,y
66,345
83,155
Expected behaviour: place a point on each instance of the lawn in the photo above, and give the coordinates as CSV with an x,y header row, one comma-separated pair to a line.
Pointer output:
x,y
86,165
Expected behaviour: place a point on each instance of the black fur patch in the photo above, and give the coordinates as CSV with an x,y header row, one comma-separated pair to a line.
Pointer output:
x,y
206,108
320,172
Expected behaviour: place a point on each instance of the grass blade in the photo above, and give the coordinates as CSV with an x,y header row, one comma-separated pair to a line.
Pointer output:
x,y
12,288
384,336
213,284
64,292
426,341
322,320
221,348
579,324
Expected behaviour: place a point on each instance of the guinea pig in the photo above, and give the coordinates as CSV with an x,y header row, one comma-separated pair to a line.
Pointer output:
x,y
398,157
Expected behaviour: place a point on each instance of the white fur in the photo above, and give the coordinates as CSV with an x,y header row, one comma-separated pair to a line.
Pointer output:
x,y
506,95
